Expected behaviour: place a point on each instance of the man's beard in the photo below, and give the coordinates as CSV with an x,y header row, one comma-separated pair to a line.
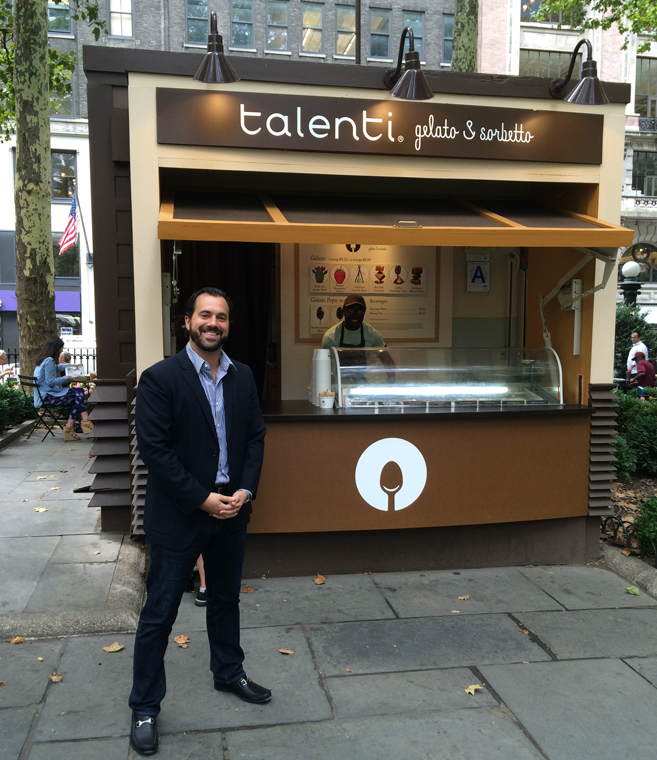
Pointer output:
x,y
206,343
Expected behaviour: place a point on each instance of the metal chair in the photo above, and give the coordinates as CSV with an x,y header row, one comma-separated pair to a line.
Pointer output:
x,y
50,417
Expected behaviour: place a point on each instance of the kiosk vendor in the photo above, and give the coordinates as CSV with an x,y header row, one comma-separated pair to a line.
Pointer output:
x,y
353,331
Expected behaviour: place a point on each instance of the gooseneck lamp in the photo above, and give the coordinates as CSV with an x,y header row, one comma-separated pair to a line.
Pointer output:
x,y
589,91
412,84
215,67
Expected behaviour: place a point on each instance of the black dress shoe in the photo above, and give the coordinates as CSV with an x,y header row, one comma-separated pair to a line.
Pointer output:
x,y
245,689
143,734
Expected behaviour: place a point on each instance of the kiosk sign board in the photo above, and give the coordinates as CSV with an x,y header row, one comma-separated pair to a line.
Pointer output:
x,y
352,125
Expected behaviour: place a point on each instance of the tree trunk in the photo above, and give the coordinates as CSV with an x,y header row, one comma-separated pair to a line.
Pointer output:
x,y
35,268
466,29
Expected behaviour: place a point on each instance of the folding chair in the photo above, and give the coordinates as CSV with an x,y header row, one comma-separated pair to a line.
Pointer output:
x,y
48,416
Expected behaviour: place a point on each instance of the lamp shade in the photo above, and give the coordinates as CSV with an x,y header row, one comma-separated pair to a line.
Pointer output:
x,y
412,85
589,91
215,67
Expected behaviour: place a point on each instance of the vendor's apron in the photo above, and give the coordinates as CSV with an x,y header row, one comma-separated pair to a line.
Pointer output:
x,y
354,358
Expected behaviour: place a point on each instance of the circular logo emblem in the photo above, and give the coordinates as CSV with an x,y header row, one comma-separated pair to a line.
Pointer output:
x,y
353,247
391,474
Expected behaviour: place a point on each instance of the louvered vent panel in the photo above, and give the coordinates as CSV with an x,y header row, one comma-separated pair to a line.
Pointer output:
x,y
602,459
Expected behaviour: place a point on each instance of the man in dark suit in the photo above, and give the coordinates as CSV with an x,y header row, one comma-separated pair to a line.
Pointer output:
x,y
201,435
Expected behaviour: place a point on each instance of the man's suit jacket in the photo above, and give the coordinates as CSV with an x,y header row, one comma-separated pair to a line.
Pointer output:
x,y
179,445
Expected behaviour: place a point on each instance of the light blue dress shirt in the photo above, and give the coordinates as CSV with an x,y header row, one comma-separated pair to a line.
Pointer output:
x,y
214,392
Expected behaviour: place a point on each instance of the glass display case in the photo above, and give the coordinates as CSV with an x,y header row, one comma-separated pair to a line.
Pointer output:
x,y
446,377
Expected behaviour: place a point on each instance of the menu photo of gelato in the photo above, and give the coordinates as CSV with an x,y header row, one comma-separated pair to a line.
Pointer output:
x,y
339,274
401,275
416,275
318,273
379,274
320,316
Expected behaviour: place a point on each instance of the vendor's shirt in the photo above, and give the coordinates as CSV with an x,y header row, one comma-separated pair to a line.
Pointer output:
x,y
648,379
373,337
640,346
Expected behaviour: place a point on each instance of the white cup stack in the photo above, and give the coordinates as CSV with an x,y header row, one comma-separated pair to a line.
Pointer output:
x,y
321,373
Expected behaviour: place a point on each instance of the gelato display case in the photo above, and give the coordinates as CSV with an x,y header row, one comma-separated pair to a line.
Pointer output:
x,y
445,377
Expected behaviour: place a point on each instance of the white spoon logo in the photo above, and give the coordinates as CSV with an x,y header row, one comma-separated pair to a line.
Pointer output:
x,y
378,487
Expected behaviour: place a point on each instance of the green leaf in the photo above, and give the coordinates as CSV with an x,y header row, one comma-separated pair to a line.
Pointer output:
x,y
632,590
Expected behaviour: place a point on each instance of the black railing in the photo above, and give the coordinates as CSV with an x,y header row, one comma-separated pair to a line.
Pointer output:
x,y
84,356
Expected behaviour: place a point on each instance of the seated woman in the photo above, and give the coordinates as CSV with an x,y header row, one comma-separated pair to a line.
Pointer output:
x,y
53,390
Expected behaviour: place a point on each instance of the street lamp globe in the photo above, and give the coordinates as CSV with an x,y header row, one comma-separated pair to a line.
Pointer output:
x,y
631,269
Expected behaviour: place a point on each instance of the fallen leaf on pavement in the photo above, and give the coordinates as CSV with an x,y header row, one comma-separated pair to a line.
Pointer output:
x,y
63,470
2,683
42,477
55,488
472,689
626,551
40,659
95,553
40,509
348,670
182,641
115,647
286,651
248,590
455,612
633,590
17,640
464,598
56,677
319,580
367,573
524,630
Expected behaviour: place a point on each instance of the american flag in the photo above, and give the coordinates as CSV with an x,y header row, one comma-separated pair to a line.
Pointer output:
x,y
70,234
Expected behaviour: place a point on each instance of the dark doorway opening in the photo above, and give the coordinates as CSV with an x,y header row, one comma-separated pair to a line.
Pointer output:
x,y
247,273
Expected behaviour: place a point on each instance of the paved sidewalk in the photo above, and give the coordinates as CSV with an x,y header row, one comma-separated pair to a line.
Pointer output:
x,y
566,658
59,575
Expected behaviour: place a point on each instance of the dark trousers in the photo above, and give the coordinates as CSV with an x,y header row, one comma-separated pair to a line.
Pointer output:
x,y
223,554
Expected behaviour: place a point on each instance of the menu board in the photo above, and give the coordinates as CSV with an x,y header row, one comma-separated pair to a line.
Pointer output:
x,y
398,284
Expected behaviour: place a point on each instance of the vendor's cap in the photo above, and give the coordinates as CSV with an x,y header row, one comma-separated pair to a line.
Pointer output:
x,y
354,299
639,355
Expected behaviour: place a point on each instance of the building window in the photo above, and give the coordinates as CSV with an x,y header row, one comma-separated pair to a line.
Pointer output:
x,y
448,37
61,106
241,24
644,172
545,63
68,264
645,96
70,321
416,22
379,33
59,17
345,23
277,25
120,18
197,22
311,41
63,174
529,10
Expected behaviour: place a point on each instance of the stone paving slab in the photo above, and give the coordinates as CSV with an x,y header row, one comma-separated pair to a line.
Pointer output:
x,y
22,563
193,704
595,633
26,679
70,517
71,587
289,601
411,691
192,746
646,666
584,710
458,735
579,588
430,593
421,644
93,693
15,724
99,749
74,549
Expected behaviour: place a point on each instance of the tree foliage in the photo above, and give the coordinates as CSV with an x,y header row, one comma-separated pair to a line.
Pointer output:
x,y
630,16
466,31
60,64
